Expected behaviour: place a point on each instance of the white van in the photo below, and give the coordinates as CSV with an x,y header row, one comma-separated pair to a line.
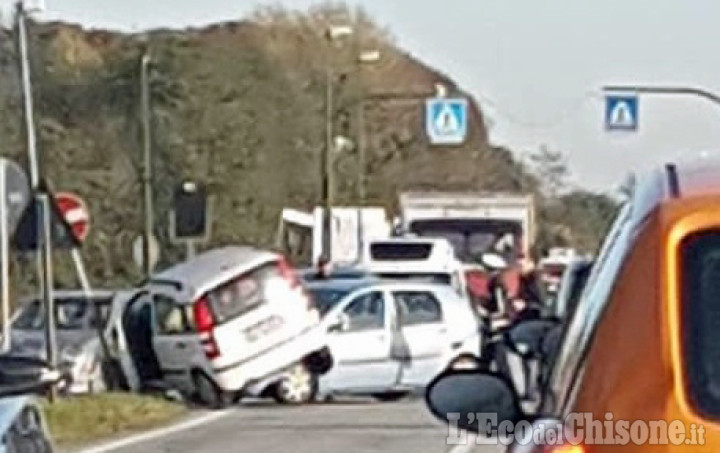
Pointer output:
x,y
230,322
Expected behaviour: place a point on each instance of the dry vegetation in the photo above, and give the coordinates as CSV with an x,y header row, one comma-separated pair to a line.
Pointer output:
x,y
238,106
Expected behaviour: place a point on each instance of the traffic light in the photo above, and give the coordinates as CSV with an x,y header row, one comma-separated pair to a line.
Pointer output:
x,y
190,212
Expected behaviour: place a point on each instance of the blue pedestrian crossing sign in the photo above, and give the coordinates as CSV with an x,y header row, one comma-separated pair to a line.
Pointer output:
x,y
446,120
621,112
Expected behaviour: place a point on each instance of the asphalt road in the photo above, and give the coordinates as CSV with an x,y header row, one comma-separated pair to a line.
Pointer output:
x,y
352,426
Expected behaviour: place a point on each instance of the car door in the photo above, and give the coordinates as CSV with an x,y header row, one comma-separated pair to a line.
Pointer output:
x,y
361,350
117,340
423,330
175,341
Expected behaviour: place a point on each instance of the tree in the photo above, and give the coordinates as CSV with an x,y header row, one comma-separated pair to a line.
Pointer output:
x,y
552,170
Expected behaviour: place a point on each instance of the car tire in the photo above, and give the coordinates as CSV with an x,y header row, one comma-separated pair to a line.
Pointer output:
x,y
297,386
209,394
114,376
390,397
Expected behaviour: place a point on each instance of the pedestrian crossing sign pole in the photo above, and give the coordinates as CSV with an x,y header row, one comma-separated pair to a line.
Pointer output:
x,y
621,112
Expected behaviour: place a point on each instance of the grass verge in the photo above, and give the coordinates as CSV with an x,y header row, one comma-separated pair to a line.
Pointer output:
x,y
82,420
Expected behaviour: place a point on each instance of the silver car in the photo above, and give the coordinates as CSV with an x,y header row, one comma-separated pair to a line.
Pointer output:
x,y
79,321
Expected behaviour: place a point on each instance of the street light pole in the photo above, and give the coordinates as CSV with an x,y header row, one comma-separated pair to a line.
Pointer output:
x,y
147,164
42,198
27,95
665,90
332,34
326,162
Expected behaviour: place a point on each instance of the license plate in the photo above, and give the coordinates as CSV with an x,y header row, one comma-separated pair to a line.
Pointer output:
x,y
263,328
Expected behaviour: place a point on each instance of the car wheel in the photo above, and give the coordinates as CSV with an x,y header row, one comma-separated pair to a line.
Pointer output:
x,y
114,376
297,386
389,397
208,392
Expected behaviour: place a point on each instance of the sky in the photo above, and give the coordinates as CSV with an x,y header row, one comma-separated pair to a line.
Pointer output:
x,y
535,66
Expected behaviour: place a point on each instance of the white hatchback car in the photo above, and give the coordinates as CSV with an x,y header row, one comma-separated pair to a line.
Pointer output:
x,y
389,339
230,322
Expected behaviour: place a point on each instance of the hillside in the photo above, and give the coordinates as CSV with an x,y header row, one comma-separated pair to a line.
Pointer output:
x,y
238,106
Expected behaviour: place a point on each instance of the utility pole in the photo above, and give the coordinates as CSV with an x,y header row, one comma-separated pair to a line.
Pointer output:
x,y
42,198
327,166
362,58
147,163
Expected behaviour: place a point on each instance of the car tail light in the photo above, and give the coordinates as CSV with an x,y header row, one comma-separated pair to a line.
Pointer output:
x,y
288,273
205,324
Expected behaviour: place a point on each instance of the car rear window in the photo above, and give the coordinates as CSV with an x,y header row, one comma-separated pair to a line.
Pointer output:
x,y
243,293
700,273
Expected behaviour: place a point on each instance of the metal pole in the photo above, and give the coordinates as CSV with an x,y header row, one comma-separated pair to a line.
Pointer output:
x,y
327,167
147,164
51,347
45,268
88,294
80,269
4,264
362,158
27,97
666,90
190,249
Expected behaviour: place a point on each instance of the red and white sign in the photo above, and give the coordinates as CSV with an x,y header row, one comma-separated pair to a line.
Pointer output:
x,y
75,212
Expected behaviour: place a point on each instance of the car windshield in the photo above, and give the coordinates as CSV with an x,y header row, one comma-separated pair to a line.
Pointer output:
x,y
71,313
472,238
327,298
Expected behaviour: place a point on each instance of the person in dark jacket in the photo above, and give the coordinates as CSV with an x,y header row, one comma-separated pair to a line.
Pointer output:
x,y
324,268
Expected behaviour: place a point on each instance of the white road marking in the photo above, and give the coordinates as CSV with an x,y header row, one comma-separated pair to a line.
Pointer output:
x,y
157,433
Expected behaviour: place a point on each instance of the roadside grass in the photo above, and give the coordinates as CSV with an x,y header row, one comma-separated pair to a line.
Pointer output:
x,y
82,420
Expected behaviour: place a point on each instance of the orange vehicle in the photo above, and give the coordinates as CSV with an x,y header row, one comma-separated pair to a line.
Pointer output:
x,y
637,366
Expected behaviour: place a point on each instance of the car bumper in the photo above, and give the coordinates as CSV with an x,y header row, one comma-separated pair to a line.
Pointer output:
x,y
253,376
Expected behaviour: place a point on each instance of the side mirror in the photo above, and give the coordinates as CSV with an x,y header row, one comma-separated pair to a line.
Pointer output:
x,y
551,342
340,324
459,397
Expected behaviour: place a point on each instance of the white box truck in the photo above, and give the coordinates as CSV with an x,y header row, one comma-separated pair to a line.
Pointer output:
x,y
472,222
